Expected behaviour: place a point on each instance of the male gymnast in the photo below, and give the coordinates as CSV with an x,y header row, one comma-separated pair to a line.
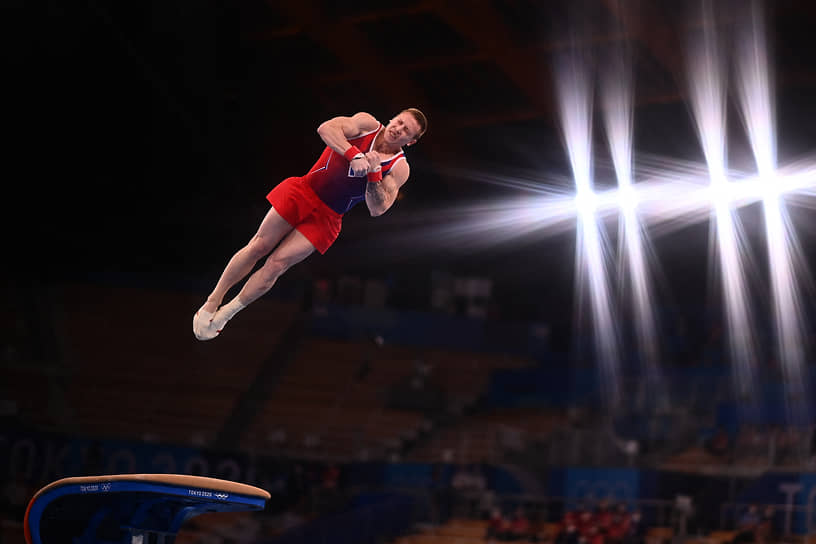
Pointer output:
x,y
363,160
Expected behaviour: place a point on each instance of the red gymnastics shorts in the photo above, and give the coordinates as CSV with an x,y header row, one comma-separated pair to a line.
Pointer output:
x,y
298,204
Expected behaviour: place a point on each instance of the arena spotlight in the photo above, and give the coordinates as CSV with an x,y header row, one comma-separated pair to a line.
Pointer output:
x,y
707,95
754,93
575,108
617,100
586,203
670,194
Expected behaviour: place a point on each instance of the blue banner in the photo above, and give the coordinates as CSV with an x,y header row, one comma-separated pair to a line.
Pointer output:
x,y
616,484
429,329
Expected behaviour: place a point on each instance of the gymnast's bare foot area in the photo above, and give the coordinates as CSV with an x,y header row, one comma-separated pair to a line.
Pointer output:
x,y
203,328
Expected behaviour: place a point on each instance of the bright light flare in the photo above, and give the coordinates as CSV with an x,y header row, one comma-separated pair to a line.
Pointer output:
x,y
617,97
796,181
707,93
586,203
575,107
628,199
671,194
479,226
756,105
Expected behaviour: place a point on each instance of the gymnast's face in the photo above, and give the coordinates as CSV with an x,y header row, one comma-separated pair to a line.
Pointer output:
x,y
401,130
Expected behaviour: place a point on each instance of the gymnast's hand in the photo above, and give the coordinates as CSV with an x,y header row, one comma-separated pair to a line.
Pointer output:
x,y
359,165
374,159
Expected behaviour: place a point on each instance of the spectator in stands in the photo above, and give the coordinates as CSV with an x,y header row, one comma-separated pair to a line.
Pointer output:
x,y
616,531
619,526
573,515
595,535
766,530
747,525
635,530
568,535
496,526
519,526
623,513
469,485
585,521
603,516
486,503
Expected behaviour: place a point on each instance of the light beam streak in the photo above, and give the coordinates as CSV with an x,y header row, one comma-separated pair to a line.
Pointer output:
x,y
575,107
755,102
617,101
707,96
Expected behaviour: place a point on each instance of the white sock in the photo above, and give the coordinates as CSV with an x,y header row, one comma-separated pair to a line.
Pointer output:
x,y
232,307
227,312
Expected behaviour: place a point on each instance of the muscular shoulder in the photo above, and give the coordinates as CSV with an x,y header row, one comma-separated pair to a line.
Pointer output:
x,y
351,127
400,171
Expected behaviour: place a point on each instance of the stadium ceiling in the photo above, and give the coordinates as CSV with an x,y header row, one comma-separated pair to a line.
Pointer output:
x,y
485,62
488,63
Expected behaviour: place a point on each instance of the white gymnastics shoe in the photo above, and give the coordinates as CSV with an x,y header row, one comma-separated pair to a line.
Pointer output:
x,y
203,325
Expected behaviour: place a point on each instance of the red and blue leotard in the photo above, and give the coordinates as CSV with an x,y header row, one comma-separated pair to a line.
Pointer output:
x,y
315,203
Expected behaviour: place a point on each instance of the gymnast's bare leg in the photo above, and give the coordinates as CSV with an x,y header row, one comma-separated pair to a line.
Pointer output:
x,y
293,248
271,231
